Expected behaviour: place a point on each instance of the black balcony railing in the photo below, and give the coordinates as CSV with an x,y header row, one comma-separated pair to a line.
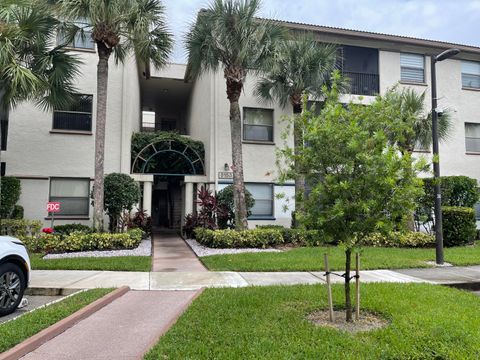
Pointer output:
x,y
363,83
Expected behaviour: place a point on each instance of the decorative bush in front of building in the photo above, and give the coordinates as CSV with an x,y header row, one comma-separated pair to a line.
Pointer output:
x,y
10,194
67,229
18,212
459,225
20,227
225,199
456,191
258,238
80,241
409,239
121,194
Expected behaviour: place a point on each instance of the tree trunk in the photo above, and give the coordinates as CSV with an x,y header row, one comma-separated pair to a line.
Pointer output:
x,y
234,77
237,161
348,300
101,118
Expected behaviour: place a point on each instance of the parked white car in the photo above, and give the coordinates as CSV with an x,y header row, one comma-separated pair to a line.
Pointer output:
x,y
14,273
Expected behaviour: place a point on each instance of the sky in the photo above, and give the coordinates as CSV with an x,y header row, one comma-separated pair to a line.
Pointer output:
x,y
456,21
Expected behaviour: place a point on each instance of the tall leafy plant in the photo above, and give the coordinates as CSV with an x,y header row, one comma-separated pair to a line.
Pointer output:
x,y
122,28
360,182
229,35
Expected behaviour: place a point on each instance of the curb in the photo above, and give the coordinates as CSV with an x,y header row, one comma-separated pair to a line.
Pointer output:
x,y
56,329
167,327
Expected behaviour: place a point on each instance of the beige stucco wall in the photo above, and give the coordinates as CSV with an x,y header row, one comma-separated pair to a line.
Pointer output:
x,y
34,151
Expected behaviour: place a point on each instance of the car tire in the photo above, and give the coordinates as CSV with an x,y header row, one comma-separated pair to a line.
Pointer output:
x,y
12,287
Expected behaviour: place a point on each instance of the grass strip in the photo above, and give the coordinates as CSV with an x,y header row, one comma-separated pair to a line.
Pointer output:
x,y
311,259
120,263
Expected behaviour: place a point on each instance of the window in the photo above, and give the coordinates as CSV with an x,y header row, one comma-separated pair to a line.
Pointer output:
x,y
257,124
83,38
412,68
73,195
263,195
78,116
477,210
471,74
472,137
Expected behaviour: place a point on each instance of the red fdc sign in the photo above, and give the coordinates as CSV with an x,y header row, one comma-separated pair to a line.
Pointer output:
x,y
53,207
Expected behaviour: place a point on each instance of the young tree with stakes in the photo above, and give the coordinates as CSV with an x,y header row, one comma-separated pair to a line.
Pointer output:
x,y
228,35
121,27
360,182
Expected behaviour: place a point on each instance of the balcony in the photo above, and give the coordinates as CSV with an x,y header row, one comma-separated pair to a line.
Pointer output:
x,y
363,83
360,65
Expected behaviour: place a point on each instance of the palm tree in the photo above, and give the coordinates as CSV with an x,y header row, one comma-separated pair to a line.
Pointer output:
x,y
302,66
412,112
31,68
120,27
229,35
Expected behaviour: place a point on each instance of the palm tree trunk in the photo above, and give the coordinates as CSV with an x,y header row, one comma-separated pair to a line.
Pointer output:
x,y
237,161
102,81
299,176
234,77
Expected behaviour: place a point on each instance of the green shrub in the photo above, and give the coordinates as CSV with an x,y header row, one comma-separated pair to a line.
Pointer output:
x,y
20,227
261,237
225,199
271,226
400,239
121,194
459,225
10,194
79,241
456,191
67,229
18,212
256,238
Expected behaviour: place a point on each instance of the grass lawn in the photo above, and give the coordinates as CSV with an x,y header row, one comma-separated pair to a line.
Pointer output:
x,y
311,259
426,322
121,263
15,331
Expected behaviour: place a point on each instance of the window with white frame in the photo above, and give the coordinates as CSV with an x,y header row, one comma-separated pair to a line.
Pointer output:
x,y
75,117
257,124
412,68
73,195
472,137
263,196
477,210
471,74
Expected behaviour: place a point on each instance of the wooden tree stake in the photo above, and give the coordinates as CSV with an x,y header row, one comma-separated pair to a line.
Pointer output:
x,y
329,290
357,286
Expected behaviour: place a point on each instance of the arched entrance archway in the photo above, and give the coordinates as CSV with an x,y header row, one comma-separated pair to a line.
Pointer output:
x,y
168,157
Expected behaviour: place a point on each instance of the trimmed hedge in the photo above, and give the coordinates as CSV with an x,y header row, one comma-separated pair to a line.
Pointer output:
x,y
67,229
400,239
20,227
456,191
257,238
459,225
78,241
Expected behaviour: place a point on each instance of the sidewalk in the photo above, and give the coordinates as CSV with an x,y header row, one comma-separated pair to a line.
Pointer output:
x,y
124,329
193,280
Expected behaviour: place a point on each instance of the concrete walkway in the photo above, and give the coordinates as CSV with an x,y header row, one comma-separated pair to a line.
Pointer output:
x,y
124,329
171,253
69,279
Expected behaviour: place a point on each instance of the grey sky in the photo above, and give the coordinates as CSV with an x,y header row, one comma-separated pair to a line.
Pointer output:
x,y
448,20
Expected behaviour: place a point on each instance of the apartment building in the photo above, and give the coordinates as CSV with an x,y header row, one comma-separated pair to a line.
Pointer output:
x,y
53,152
